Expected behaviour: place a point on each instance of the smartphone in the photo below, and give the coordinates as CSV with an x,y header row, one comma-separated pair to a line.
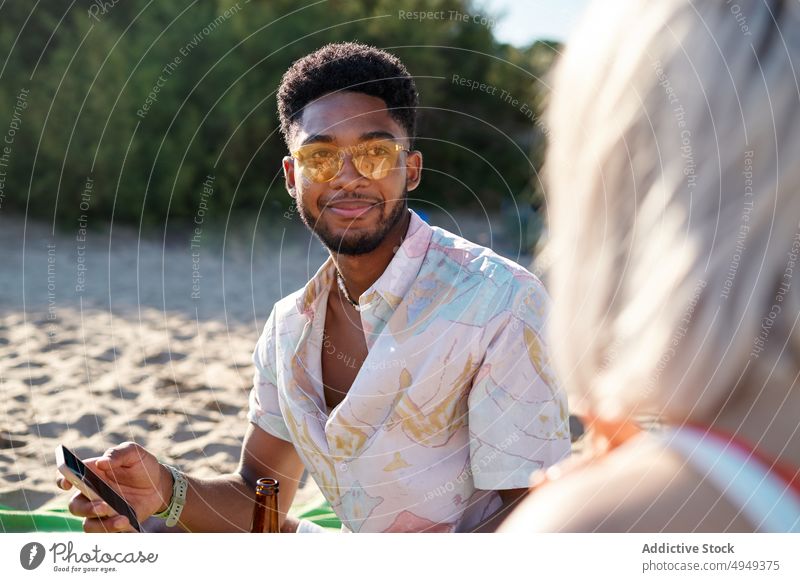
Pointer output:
x,y
91,485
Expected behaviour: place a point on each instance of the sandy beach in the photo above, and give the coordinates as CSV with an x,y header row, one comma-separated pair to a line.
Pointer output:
x,y
107,336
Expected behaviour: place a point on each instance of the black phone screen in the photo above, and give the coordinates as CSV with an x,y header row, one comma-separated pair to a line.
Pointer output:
x,y
108,495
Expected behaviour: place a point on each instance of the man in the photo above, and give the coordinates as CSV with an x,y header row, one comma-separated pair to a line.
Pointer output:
x,y
409,376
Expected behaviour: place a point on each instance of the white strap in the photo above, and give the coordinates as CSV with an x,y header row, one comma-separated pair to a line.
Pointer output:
x,y
180,487
765,499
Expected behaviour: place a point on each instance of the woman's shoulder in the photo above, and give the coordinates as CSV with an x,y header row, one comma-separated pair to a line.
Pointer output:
x,y
641,486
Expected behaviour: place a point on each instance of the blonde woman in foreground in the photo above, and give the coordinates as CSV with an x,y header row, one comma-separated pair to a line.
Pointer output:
x,y
675,214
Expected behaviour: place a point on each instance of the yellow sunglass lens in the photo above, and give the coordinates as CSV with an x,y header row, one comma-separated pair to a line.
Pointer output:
x,y
320,164
372,160
373,167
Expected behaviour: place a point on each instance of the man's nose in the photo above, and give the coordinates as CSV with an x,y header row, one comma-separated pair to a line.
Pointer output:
x,y
348,177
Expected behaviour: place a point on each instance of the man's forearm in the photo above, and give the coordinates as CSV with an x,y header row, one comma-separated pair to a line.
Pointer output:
x,y
218,504
221,504
225,503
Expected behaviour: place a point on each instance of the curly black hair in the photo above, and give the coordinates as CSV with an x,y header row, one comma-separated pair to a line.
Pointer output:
x,y
348,66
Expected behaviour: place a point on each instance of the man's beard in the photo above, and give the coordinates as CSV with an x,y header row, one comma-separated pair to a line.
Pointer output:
x,y
351,243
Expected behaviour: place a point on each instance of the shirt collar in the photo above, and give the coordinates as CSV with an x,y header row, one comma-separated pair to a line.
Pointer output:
x,y
393,283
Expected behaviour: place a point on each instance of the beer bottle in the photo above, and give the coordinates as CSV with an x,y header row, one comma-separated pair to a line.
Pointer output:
x,y
265,511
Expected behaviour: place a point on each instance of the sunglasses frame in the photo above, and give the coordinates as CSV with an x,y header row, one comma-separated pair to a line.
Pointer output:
x,y
347,150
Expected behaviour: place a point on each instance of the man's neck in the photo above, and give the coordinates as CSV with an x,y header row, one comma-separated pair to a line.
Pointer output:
x,y
361,271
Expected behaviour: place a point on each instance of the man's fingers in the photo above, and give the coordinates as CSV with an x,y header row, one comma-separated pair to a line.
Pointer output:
x,y
123,455
62,483
123,525
82,506
115,524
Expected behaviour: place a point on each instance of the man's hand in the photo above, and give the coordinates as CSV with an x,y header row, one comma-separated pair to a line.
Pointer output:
x,y
136,475
510,498
132,472
290,524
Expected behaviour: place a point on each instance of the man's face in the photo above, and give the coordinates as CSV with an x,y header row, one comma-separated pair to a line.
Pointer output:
x,y
351,214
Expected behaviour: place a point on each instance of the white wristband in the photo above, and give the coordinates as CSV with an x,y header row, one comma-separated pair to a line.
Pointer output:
x,y
306,526
180,486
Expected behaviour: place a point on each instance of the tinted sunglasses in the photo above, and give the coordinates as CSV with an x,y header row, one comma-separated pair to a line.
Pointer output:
x,y
322,162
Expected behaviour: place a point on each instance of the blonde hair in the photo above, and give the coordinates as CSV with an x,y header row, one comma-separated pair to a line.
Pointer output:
x,y
674,200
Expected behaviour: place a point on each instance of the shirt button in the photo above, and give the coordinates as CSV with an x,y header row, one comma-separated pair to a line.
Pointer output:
x,y
343,466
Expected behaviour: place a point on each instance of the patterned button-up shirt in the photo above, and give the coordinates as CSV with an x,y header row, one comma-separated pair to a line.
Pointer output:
x,y
455,400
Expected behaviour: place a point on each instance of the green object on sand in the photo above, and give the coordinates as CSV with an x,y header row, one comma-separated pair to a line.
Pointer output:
x,y
61,520
323,516
15,521
317,510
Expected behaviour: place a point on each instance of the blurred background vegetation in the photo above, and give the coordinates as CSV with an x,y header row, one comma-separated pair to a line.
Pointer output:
x,y
89,67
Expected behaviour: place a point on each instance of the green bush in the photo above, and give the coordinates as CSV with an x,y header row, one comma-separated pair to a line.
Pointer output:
x,y
89,75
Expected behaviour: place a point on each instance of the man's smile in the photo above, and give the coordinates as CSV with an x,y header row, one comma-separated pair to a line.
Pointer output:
x,y
349,207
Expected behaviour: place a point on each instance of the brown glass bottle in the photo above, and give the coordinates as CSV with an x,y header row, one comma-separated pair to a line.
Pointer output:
x,y
265,512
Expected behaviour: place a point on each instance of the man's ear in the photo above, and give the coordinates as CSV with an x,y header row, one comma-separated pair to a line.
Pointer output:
x,y
288,174
413,169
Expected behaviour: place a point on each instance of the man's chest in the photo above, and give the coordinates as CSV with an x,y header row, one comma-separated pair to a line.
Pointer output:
x,y
344,350
404,367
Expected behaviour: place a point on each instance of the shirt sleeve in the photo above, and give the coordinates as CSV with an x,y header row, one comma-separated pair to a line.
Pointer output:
x,y
518,419
264,409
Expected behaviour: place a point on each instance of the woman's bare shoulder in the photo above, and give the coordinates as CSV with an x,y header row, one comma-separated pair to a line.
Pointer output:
x,y
640,487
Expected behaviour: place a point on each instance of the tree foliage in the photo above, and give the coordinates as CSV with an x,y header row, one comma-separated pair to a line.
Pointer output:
x,y
149,98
